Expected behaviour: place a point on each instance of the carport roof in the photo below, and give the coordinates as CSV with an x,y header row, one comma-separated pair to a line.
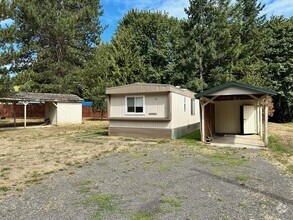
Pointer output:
x,y
41,97
234,84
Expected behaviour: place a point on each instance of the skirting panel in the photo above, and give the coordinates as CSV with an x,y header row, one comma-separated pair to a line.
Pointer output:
x,y
181,131
140,132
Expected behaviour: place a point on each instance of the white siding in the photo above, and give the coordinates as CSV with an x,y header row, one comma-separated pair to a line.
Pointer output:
x,y
51,112
69,113
180,117
155,106
227,116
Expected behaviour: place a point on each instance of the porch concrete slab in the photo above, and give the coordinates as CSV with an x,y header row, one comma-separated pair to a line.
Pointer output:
x,y
239,141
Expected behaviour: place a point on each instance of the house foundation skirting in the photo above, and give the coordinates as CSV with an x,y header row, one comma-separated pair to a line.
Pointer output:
x,y
181,131
154,132
140,132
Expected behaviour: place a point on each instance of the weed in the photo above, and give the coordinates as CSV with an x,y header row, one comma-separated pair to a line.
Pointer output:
x,y
227,159
275,145
171,201
242,177
290,168
104,203
217,172
265,202
4,188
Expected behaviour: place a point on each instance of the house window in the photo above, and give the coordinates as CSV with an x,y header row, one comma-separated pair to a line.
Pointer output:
x,y
192,106
184,104
135,104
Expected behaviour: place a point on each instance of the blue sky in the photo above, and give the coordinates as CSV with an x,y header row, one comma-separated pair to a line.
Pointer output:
x,y
115,9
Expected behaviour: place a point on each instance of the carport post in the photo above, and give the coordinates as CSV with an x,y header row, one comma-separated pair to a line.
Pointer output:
x,y
202,122
266,121
25,105
260,119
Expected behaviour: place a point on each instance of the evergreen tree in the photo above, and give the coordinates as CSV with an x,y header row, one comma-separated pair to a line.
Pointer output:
x,y
156,35
6,46
205,45
279,58
249,28
56,38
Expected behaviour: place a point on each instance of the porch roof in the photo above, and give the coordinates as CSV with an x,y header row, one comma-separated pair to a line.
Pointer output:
x,y
235,88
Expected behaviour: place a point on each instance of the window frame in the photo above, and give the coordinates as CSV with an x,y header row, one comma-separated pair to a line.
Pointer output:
x,y
135,113
185,104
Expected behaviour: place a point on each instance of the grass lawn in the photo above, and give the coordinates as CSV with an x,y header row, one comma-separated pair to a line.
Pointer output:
x,y
28,155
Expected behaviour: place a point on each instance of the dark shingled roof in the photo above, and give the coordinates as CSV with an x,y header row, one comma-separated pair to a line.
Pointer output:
x,y
42,97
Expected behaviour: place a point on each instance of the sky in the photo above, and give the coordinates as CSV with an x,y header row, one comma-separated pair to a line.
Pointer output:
x,y
115,9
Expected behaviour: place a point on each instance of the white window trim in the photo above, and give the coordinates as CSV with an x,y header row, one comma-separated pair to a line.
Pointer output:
x,y
134,113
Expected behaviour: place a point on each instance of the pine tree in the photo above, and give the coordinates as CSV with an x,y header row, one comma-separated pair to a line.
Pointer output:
x,y
280,66
6,47
56,38
249,29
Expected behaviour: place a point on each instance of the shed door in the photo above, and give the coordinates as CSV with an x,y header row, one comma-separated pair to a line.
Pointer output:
x,y
249,119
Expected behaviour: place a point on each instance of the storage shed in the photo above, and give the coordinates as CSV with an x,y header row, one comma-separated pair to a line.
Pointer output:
x,y
152,110
59,108
234,108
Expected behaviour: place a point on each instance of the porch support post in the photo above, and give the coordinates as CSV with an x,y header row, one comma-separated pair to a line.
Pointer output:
x,y
202,122
25,105
260,119
266,121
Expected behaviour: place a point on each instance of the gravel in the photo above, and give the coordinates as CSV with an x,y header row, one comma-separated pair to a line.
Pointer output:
x,y
158,182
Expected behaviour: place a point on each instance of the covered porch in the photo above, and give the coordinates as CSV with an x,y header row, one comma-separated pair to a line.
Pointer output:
x,y
235,114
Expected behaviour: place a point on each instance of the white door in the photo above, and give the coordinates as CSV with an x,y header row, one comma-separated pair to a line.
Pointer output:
x,y
249,119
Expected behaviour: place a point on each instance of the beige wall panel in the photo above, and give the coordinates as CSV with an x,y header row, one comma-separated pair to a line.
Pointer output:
x,y
139,124
228,115
155,106
179,116
234,90
69,113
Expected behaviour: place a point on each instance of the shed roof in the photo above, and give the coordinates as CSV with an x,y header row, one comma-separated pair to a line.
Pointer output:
x,y
246,89
42,97
143,88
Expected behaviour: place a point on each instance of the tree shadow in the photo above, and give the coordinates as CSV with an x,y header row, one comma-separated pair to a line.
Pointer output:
x,y
241,185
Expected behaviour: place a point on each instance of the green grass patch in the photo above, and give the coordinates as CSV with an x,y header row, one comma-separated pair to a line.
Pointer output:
x,y
4,188
290,168
226,158
174,202
242,178
192,137
103,202
275,145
